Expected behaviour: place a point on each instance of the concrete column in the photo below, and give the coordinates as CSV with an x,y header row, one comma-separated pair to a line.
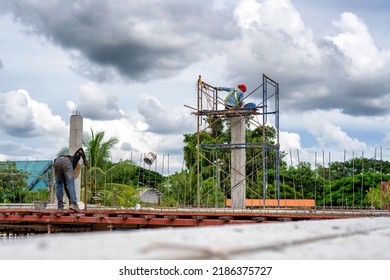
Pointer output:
x,y
76,142
238,161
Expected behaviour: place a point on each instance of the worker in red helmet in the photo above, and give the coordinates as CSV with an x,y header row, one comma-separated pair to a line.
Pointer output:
x,y
235,96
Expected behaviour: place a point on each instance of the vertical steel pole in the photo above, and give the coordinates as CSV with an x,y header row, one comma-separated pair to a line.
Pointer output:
x,y
198,140
277,142
264,152
85,186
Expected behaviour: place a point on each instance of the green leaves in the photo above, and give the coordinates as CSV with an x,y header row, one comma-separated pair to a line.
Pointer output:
x,y
98,149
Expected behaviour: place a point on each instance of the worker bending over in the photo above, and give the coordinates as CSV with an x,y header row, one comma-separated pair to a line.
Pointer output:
x,y
64,167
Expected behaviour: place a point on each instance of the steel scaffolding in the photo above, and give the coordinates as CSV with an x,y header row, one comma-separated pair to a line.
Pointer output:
x,y
212,145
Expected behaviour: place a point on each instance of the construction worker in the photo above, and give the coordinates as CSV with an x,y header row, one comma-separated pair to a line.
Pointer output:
x,y
64,171
235,96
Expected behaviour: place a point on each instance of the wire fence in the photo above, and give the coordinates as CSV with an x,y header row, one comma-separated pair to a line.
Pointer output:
x,y
351,184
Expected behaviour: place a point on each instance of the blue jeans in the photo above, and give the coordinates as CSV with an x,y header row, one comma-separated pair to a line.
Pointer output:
x,y
63,171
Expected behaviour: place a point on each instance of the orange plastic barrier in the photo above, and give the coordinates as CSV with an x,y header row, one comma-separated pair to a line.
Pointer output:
x,y
274,202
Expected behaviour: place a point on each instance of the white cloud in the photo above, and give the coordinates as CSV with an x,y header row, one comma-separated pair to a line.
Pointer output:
x,y
272,14
275,41
160,131
16,118
95,104
35,132
134,144
289,141
164,120
327,134
23,116
356,43
19,151
44,120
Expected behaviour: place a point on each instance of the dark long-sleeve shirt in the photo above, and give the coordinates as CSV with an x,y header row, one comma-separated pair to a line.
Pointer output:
x,y
76,157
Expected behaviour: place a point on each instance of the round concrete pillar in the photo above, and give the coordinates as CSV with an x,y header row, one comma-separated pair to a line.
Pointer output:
x,y
76,142
238,161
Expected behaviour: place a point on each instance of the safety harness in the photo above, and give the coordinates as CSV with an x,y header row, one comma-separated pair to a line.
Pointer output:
x,y
235,95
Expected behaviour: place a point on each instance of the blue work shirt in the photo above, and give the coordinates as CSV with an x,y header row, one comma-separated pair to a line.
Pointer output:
x,y
231,101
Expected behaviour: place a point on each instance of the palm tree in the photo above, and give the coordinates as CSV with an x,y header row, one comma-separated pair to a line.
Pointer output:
x,y
63,151
98,154
98,150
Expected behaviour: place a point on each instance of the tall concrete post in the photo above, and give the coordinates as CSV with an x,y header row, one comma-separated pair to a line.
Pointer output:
x,y
76,142
238,160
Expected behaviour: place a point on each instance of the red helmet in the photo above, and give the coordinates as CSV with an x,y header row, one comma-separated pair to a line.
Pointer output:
x,y
242,87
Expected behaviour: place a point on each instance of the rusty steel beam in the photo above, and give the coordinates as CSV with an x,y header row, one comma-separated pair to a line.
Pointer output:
x,y
53,221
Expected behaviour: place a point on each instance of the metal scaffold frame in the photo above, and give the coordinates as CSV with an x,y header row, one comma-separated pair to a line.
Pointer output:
x,y
210,113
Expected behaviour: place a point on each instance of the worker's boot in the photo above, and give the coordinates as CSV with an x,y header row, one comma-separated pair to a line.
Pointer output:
x,y
74,207
60,207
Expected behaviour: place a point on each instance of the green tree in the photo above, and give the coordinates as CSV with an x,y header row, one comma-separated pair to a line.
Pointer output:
x,y
13,186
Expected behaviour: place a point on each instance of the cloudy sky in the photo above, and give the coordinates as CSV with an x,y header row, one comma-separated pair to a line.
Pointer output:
x,y
129,67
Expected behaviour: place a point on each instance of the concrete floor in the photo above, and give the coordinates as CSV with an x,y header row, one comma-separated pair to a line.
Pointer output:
x,y
349,239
